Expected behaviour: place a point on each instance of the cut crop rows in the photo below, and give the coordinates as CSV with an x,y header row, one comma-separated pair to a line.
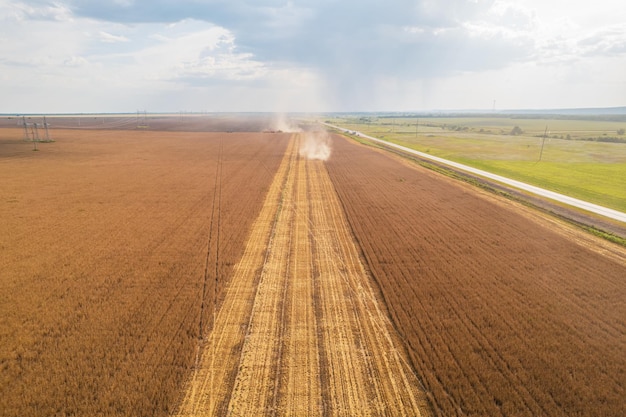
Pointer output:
x,y
301,331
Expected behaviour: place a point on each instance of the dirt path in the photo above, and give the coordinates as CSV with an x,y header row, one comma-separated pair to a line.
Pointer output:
x,y
300,331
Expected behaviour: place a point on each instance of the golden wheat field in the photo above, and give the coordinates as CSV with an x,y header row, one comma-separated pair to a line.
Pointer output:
x,y
219,269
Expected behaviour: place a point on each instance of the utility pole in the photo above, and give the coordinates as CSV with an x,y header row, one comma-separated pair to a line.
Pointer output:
x,y
35,132
35,136
45,123
26,135
417,122
543,141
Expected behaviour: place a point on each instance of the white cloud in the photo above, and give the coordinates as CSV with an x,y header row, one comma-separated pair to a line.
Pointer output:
x,y
109,38
607,41
93,65
21,11
270,54
193,56
75,61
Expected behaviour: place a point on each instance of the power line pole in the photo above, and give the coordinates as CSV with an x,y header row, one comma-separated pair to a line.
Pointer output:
x,y
35,135
543,141
35,132
45,123
26,135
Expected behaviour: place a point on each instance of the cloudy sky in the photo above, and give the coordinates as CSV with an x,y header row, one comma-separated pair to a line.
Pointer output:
x,y
310,55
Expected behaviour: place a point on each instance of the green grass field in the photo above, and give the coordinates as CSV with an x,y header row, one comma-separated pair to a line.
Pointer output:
x,y
585,159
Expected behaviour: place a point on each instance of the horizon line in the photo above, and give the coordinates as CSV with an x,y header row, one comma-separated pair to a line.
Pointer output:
x,y
545,111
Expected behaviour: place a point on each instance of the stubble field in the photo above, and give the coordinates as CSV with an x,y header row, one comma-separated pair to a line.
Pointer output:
x,y
116,246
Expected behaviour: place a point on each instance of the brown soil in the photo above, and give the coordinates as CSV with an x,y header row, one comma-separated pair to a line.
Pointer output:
x,y
502,314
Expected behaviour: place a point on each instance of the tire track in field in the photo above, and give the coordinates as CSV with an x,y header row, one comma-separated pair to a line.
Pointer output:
x,y
385,378
211,384
300,331
300,383
258,370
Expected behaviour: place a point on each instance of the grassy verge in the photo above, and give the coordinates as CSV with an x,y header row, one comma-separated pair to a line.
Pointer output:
x,y
593,171
485,186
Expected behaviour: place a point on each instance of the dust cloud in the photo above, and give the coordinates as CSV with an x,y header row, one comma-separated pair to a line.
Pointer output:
x,y
283,124
315,145
315,142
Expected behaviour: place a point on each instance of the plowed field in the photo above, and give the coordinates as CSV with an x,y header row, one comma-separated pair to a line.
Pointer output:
x,y
502,314
300,331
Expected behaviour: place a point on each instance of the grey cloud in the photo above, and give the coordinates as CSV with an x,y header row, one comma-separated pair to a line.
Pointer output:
x,y
326,35
349,43
164,11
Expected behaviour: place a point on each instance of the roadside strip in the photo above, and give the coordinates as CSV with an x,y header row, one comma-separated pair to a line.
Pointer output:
x,y
574,202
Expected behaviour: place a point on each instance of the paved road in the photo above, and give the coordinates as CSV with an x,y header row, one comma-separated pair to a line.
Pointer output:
x,y
574,202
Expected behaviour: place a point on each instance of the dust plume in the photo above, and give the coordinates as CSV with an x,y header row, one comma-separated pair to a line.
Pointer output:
x,y
315,145
283,124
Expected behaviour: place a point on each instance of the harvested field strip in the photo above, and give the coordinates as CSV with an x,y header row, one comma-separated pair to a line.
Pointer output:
x,y
212,382
254,391
300,389
501,315
307,336
392,385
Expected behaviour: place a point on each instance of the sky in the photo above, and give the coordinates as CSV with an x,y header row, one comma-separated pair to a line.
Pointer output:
x,y
69,56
